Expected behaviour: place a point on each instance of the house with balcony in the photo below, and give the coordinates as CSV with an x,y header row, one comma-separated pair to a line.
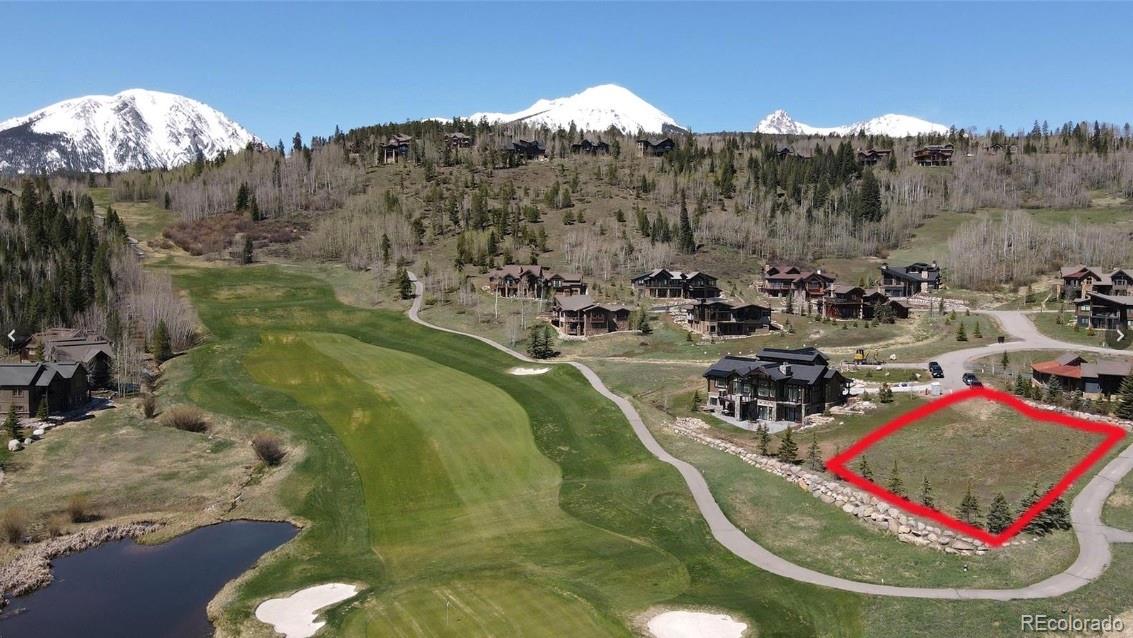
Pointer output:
x,y
1104,312
26,386
589,146
581,316
655,146
782,280
909,280
933,155
663,283
874,156
775,385
397,149
726,318
1079,280
532,280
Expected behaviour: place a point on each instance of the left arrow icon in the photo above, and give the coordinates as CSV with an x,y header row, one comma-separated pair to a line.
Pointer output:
x,y
12,335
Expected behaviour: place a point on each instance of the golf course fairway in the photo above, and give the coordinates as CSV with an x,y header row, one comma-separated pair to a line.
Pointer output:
x,y
463,499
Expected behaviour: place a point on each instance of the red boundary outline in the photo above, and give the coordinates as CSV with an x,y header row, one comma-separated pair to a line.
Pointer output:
x,y
1112,433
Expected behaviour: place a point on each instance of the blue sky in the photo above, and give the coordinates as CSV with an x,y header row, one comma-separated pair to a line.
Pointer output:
x,y
278,68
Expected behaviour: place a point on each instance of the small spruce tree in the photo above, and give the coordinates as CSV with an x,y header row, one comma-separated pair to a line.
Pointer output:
x,y
961,335
999,516
969,511
788,448
12,423
813,455
1125,399
926,497
895,484
864,469
160,344
763,440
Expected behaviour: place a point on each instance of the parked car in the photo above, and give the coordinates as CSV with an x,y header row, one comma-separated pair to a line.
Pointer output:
x,y
935,370
970,379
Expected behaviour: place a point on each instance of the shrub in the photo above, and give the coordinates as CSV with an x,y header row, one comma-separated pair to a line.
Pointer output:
x,y
149,405
14,524
185,417
269,448
78,508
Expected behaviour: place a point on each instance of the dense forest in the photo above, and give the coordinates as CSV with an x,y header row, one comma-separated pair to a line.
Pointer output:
x,y
763,197
66,264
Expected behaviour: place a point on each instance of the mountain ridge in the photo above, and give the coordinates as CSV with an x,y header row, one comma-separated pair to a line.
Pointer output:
x,y
133,129
779,122
597,108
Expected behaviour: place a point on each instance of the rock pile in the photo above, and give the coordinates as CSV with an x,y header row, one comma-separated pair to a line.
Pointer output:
x,y
862,505
31,569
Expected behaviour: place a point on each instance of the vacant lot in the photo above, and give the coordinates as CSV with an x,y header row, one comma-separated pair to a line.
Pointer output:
x,y
980,444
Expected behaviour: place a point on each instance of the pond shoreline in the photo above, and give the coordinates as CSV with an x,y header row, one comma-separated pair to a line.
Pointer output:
x,y
31,569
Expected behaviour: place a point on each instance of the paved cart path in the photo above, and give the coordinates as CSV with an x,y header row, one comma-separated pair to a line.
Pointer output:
x,y
1094,537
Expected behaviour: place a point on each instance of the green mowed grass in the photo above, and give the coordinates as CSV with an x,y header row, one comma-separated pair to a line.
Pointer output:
x,y
467,501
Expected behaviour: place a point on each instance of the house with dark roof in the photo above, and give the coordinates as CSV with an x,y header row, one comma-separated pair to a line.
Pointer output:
x,y
782,280
786,152
588,146
663,283
654,146
1079,280
1073,373
910,280
532,280
933,155
68,345
874,156
396,149
728,318
775,385
458,140
27,385
1104,312
579,315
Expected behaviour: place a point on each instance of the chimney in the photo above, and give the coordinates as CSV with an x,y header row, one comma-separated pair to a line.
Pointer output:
x,y
785,369
818,271
934,266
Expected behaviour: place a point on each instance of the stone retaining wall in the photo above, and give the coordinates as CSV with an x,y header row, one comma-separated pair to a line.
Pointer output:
x,y
854,502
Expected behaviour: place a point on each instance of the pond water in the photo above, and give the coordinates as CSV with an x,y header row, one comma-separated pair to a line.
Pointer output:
x,y
124,589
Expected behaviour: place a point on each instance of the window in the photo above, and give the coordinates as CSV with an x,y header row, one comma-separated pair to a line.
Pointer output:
x,y
795,393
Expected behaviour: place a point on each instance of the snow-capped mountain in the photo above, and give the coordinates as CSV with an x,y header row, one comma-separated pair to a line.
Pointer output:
x,y
595,109
892,124
135,129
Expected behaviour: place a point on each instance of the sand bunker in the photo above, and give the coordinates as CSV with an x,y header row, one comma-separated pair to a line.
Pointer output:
x,y
694,624
294,616
526,371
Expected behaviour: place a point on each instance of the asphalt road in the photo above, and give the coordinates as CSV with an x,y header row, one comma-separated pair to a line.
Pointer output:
x,y
1094,537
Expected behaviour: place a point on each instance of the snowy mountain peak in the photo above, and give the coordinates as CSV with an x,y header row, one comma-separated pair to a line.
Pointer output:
x,y
134,129
594,109
891,124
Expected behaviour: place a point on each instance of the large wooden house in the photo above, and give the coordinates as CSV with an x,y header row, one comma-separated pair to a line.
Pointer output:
x,y
397,149
655,147
788,152
775,385
69,345
910,280
579,315
933,155
1079,280
663,283
588,146
1104,312
724,318
519,280
874,156
782,280
25,386
458,140
854,302
1073,373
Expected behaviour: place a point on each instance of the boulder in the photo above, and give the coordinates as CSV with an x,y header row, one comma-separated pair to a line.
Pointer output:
x,y
962,545
37,433
847,508
14,445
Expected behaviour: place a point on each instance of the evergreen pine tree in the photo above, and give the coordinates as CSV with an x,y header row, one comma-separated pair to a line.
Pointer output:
x,y
763,440
895,484
969,511
1125,399
961,335
246,253
999,515
926,498
160,343
1035,525
536,342
976,333
12,423
387,250
41,411
864,469
686,242
813,455
788,448
1020,387
404,284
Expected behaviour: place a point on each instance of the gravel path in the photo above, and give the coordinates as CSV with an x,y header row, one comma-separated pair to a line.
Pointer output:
x,y
1094,537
